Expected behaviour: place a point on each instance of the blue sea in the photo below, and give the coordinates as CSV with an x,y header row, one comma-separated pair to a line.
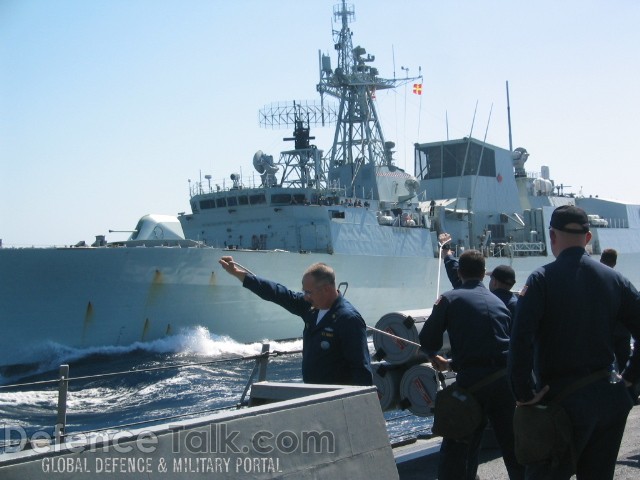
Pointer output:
x,y
194,372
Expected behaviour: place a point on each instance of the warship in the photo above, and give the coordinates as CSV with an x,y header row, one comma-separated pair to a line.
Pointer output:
x,y
351,207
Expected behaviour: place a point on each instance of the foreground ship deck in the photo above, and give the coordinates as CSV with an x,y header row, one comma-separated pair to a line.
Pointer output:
x,y
307,432
419,461
289,430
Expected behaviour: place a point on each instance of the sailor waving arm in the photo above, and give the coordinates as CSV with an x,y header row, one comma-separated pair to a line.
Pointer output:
x,y
294,302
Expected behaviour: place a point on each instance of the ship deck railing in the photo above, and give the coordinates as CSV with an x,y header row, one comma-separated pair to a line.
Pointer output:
x,y
519,249
60,433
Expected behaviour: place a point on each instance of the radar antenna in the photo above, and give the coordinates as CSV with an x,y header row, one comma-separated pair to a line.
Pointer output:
x,y
358,139
303,166
285,114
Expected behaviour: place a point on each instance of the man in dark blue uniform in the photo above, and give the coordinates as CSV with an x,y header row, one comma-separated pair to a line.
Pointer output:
x,y
334,341
621,336
502,279
563,332
478,324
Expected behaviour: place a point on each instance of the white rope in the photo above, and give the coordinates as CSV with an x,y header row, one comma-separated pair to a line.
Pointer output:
x,y
244,268
393,336
443,239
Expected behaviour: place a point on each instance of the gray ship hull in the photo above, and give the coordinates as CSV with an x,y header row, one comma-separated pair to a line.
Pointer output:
x,y
86,297
91,297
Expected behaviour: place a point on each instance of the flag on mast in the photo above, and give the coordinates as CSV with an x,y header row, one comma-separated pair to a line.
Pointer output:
x,y
417,88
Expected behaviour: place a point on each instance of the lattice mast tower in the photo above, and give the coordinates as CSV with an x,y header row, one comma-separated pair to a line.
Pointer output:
x,y
358,138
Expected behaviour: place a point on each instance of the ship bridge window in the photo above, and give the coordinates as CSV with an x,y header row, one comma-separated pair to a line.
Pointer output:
x,y
257,199
281,198
243,200
448,160
205,204
232,201
221,202
299,198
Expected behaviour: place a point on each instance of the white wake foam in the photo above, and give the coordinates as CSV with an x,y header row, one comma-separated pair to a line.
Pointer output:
x,y
191,342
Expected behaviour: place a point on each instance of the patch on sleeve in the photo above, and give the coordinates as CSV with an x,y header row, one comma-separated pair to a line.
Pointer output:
x,y
523,291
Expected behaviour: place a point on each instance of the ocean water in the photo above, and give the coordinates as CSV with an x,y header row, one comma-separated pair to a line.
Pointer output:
x,y
191,373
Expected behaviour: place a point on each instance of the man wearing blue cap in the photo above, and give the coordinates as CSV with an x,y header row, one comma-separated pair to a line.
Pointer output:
x,y
478,324
563,332
502,278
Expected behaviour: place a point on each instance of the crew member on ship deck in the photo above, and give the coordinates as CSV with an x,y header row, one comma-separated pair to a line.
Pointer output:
x,y
563,332
334,340
502,278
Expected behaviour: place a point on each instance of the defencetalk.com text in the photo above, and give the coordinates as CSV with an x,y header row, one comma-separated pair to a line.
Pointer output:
x,y
186,465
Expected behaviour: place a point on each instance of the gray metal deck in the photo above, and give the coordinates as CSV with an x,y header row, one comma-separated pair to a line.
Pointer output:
x,y
413,466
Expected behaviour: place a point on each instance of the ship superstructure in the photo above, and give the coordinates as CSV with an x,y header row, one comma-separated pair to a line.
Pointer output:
x,y
353,200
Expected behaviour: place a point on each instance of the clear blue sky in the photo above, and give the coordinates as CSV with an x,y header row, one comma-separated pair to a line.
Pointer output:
x,y
108,107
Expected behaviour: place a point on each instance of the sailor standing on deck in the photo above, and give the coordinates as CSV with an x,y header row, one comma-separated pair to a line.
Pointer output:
x,y
621,336
478,323
334,341
563,332
502,278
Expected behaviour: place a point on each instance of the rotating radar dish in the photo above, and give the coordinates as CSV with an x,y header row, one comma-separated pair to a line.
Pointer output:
x,y
257,162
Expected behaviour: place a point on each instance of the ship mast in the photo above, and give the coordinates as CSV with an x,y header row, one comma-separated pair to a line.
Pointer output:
x,y
358,138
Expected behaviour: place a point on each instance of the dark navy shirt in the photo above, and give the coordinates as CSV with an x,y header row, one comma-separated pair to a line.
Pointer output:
x,y
451,266
334,351
564,323
509,298
478,324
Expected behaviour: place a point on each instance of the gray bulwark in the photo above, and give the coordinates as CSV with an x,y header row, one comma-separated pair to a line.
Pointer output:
x,y
337,433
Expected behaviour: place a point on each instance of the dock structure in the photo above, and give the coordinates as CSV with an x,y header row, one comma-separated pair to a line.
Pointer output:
x,y
412,465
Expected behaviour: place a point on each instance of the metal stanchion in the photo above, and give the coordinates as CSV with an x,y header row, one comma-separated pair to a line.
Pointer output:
x,y
264,361
61,421
261,367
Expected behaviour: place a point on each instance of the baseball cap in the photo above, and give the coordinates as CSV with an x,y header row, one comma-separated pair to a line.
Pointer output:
x,y
568,214
504,274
